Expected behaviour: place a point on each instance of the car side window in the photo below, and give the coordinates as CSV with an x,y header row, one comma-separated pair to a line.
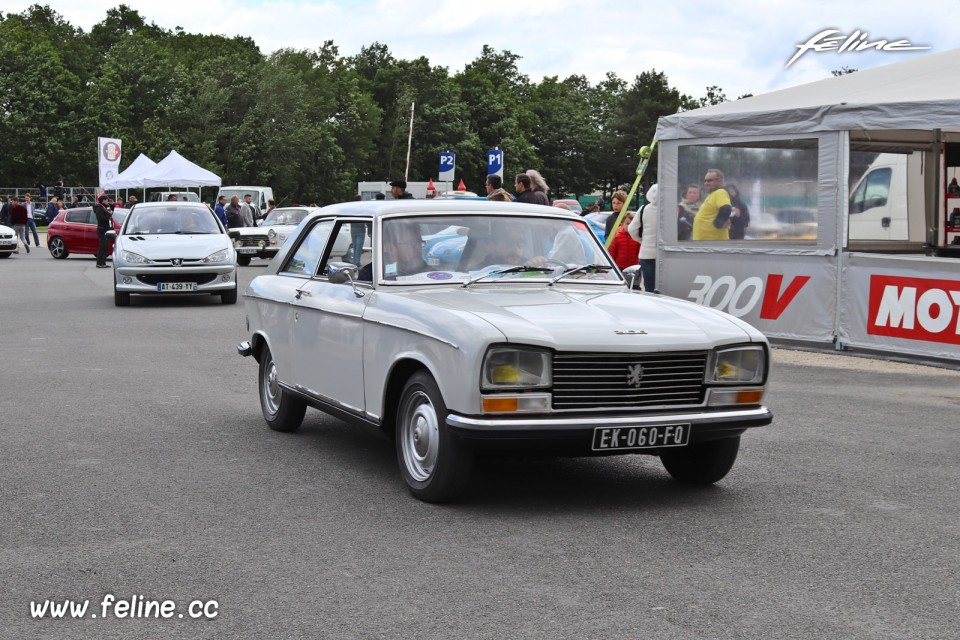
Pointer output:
x,y
305,259
78,216
351,243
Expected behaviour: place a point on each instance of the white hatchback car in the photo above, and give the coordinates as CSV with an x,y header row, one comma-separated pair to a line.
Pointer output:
x,y
479,324
8,241
167,248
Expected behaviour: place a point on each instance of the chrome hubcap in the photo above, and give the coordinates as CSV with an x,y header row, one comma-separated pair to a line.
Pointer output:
x,y
420,434
270,389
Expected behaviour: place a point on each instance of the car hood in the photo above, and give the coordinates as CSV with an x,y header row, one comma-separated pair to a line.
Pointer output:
x,y
594,318
166,246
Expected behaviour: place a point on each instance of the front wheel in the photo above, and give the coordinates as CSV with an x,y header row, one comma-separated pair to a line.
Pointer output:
x,y
229,297
120,298
281,410
704,463
434,463
243,260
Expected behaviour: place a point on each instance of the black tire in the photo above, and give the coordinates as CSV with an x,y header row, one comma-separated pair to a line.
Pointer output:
x,y
120,298
702,464
58,248
5,254
243,261
281,410
229,297
434,463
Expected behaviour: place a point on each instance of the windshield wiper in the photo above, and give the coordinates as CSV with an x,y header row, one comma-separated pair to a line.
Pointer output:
x,y
514,269
583,267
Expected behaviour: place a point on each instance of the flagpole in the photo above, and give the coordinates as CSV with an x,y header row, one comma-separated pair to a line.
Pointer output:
x,y
406,170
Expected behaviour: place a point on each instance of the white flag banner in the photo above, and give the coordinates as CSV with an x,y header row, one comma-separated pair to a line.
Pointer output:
x,y
108,158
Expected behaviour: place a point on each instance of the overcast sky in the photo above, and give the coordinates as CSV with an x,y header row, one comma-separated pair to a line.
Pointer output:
x,y
742,47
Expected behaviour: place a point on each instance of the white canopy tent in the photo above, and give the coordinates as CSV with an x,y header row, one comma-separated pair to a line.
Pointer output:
x,y
177,171
130,177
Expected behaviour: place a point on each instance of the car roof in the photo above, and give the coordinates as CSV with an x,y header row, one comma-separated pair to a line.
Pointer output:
x,y
168,203
380,208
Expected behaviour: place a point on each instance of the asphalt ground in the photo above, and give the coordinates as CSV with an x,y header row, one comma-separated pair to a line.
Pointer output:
x,y
134,462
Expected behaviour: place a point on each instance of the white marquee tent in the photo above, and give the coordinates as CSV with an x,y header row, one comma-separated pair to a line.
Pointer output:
x,y
129,178
177,171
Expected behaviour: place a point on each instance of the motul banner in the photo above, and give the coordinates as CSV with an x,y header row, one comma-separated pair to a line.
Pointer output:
x,y
108,158
902,304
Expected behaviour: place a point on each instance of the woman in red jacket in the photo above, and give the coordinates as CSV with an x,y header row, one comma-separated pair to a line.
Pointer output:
x,y
624,249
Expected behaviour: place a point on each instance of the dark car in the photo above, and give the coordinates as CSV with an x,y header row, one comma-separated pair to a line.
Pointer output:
x,y
75,231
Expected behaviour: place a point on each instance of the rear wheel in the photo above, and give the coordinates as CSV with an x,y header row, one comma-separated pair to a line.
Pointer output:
x,y
229,297
281,410
58,248
704,463
5,254
434,463
243,260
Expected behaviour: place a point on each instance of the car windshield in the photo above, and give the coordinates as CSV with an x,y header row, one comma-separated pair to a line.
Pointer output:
x,y
171,220
284,217
490,248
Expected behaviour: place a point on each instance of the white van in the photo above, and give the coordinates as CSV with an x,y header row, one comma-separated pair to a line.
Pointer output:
x,y
879,203
260,196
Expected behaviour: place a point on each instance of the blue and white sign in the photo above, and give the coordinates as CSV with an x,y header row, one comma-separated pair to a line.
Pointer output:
x,y
495,162
448,162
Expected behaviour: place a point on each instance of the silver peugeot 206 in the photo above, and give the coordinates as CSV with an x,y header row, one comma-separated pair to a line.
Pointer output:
x,y
488,325
173,248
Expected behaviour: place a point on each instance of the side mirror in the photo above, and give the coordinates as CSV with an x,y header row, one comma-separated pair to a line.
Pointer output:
x,y
632,274
111,234
342,272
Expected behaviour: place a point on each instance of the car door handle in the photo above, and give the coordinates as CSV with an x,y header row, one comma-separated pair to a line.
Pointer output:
x,y
303,292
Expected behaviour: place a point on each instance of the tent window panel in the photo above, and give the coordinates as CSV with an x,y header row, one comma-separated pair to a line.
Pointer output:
x,y
773,187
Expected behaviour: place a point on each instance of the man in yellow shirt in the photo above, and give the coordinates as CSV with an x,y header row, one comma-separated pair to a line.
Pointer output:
x,y
712,221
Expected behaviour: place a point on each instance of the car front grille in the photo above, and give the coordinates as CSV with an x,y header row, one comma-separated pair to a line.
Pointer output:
x,y
6,236
253,241
186,276
628,380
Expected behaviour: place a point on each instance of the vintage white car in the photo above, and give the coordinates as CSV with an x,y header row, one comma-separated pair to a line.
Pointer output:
x,y
167,248
480,324
265,241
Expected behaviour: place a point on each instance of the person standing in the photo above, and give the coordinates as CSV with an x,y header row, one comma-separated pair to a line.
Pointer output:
x,y
525,192
220,210
712,221
687,211
248,211
624,250
399,190
5,211
494,186
540,188
617,200
740,215
18,220
644,230
31,223
234,219
104,224
132,200
52,210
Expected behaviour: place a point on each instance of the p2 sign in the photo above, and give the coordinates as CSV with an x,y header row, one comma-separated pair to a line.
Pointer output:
x,y
495,162
448,163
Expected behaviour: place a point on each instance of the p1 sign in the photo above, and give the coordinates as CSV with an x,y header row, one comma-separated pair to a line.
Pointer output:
x,y
495,162
448,162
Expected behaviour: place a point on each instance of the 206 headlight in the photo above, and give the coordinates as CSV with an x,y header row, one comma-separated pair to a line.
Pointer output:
x,y
134,258
512,368
738,365
220,256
